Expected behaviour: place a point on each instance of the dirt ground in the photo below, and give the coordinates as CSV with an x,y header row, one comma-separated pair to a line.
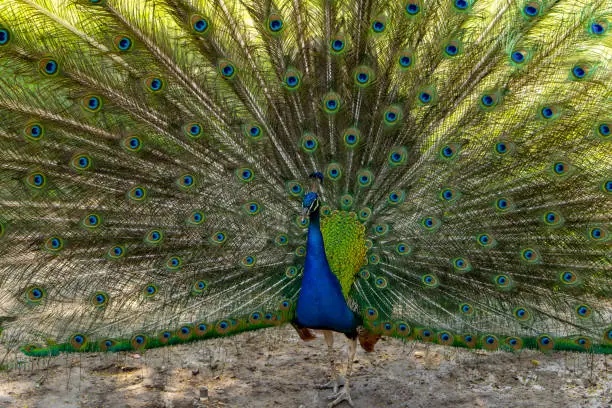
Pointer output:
x,y
273,368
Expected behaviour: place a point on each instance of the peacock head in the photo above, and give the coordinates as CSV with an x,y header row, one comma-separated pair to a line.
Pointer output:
x,y
310,204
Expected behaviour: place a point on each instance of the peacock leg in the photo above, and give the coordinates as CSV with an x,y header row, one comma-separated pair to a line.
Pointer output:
x,y
333,383
345,395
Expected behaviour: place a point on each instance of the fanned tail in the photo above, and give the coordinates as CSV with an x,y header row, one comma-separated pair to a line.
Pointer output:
x,y
154,156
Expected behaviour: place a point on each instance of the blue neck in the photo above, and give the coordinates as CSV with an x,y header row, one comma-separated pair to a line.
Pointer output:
x,y
321,304
315,246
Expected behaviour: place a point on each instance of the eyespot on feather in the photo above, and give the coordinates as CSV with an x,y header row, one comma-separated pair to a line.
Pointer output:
x,y
396,197
251,208
107,344
186,182
81,162
598,27
309,143
450,151
218,238
486,240
36,180
154,83
333,171
430,280
548,112
453,48
100,299
123,43
5,36
252,131
34,131
78,341
245,174
137,193
346,201
445,338
351,137
174,263
490,342
530,255
294,189
331,103
154,237
48,66
503,282
531,9
462,5
363,76
139,342
545,342
91,103
91,221
430,223
365,178
597,233
35,294
292,79
466,309
116,252
201,328
227,70
513,343
338,44
427,96
199,24
193,130
275,24
392,115
379,25
54,244
150,290
412,8
519,57
406,59
199,286
132,144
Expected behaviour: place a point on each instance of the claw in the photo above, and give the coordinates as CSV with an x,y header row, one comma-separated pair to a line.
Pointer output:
x,y
332,384
343,395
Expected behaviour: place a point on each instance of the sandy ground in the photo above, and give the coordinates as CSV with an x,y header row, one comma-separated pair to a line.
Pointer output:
x,y
273,368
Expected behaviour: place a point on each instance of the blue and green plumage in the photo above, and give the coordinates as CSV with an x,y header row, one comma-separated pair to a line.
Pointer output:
x,y
321,303
155,157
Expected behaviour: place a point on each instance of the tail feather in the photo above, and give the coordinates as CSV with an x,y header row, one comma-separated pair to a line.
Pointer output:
x,y
155,154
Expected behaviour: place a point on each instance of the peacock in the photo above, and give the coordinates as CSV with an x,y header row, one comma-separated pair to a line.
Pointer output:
x,y
178,170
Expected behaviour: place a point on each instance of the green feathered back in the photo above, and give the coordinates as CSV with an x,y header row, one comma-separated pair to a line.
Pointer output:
x,y
154,156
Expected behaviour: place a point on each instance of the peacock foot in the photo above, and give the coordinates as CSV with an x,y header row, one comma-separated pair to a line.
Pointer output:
x,y
338,397
332,384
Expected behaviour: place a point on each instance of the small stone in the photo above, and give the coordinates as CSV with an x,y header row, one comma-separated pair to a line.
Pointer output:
x,y
203,394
